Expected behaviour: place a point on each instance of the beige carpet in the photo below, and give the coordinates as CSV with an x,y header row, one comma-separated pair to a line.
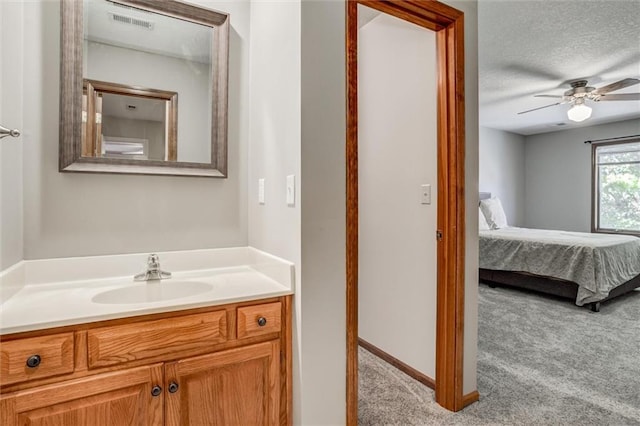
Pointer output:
x,y
541,361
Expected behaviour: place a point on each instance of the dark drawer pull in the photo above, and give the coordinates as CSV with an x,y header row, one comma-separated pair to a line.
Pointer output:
x,y
262,321
33,361
156,390
173,387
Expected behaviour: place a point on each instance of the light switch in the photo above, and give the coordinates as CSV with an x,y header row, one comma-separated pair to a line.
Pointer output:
x,y
291,190
425,194
261,190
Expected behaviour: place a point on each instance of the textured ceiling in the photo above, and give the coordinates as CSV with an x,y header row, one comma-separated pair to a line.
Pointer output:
x,y
537,47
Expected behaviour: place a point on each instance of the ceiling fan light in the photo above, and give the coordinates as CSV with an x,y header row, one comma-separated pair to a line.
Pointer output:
x,y
579,112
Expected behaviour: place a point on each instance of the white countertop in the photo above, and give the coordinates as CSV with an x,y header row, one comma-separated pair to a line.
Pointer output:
x,y
30,303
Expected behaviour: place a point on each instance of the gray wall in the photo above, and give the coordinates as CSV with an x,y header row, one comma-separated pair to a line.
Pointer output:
x,y
81,214
11,149
502,163
558,175
323,130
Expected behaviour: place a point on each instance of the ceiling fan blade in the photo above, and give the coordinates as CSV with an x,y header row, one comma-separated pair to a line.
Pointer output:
x,y
617,86
619,97
548,96
535,109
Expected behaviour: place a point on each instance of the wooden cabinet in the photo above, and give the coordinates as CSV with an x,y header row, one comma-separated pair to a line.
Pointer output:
x,y
37,357
234,387
112,345
228,365
110,399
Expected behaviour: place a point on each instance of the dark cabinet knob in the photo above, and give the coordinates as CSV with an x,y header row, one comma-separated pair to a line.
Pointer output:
x,y
173,387
33,361
156,390
262,321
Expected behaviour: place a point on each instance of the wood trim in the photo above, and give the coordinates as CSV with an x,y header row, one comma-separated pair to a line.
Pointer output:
x,y
405,368
125,89
470,398
97,134
172,128
449,26
451,216
286,364
352,211
88,144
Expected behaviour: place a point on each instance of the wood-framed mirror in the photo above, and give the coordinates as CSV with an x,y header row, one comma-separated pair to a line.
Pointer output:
x,y
124,66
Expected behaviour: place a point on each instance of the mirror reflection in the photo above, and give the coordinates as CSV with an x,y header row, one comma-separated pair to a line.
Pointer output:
x,y
126,65
128,122
135,49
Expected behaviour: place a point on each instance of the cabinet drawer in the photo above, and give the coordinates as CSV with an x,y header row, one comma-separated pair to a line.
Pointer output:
x,y
259,319
36,357
160,338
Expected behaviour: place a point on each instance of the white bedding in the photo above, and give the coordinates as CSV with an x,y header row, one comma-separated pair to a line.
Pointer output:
x,y
596,262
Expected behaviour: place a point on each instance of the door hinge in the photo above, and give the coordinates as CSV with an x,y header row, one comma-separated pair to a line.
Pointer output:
x,y
439,235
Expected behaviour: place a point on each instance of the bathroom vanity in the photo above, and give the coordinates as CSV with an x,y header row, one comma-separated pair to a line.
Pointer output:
x,y
221,357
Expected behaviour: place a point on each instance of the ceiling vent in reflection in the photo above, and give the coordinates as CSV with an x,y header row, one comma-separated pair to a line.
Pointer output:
x,y
129,20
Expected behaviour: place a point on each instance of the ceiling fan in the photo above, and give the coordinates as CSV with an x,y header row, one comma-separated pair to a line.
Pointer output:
x,y
580,93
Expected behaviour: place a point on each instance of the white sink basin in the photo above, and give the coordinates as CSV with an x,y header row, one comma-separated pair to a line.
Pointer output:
x,y
151,292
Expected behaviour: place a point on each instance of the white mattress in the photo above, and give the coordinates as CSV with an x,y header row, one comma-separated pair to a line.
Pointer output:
x,y
596,262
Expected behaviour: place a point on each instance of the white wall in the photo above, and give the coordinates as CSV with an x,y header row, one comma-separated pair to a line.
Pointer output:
x,y
132,67
558,175
11,149
397,138
79,214
274,146
502,163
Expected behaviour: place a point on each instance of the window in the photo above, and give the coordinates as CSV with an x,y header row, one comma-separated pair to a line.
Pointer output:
x,y
616,187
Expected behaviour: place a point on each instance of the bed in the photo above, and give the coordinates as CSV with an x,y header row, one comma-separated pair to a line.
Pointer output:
x,y
587,268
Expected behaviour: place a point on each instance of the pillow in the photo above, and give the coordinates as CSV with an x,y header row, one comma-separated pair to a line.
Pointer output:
x,y
482,221
494,213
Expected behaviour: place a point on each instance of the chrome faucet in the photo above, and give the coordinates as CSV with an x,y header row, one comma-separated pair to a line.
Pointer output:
x,y
153,271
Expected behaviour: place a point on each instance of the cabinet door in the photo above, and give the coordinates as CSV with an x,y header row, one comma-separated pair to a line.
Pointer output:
x,y
110,399
235,387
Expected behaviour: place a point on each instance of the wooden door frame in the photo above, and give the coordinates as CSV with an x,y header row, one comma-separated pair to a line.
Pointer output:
x,y
448,24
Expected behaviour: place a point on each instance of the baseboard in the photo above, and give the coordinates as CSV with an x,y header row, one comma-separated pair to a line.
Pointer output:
x,y
470,398
408,370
